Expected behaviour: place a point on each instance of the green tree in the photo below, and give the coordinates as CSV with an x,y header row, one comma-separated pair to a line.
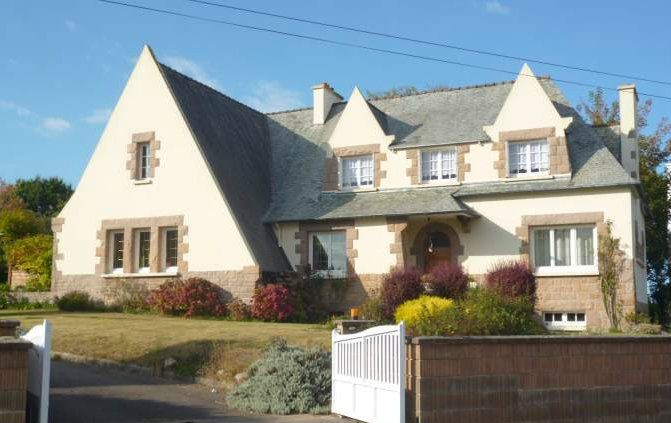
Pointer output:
x,y
597,111
15,224
32,254
611,266
46,197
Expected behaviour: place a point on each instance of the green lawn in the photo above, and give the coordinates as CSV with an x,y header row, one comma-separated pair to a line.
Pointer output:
x,y
200,346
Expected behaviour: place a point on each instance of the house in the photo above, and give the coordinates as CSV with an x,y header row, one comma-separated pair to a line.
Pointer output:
x,y
187,181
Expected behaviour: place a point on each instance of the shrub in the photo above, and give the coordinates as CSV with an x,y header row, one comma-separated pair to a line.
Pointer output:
x,y
398,287
6,297
193,297
272,303
371,309
32,255
448,280
127,296
512,278
423,315
75,301
286,380
239,310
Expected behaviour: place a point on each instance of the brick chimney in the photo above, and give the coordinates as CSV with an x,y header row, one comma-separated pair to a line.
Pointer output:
x,y
323,97
629,129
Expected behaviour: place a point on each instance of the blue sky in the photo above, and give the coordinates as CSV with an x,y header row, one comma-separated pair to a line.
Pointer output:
x,y
63,64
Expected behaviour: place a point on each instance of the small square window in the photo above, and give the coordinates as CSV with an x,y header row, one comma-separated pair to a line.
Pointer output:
x,y
570,317
356,172
581,317
548,317
558,317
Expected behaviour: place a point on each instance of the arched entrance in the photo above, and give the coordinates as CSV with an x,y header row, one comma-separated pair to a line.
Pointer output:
x,y
436,243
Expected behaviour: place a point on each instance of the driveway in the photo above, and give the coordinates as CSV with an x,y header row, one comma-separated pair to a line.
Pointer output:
x,y
87,394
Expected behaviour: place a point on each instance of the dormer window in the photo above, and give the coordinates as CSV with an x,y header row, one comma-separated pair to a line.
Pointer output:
x,y
356,172
528,158
143,156
439,166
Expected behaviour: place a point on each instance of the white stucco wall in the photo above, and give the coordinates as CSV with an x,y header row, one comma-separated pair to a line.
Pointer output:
x,y
372,246
481,158
182,184
286,236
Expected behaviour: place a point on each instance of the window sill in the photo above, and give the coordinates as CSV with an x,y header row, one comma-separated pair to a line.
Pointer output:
x,y
527,178
346,191
140,275
330,275
142,181
438,184
558,273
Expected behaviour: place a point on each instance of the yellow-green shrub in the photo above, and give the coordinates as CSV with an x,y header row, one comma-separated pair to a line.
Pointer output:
x,y
424,315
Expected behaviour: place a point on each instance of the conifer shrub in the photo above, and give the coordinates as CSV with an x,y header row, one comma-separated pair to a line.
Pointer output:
x,y
448,280
286,380
399,286
513,278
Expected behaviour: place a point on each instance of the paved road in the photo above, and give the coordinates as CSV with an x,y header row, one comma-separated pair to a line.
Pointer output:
x,y
87,394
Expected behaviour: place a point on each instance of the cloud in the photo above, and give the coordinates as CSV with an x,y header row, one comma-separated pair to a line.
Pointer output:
x,y
98,116
271,96
192,69
495,7
16,108
71,25
55,124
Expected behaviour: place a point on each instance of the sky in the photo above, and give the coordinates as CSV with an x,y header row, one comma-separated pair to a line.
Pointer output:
x,y
63,64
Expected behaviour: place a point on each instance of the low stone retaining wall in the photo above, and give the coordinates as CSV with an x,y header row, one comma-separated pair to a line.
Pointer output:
x,y
13,379
539,379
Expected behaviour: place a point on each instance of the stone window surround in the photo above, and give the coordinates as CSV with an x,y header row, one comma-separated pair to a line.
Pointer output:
x,y
129,227
397,225
331,164
303,245
132,162
558,158
414,156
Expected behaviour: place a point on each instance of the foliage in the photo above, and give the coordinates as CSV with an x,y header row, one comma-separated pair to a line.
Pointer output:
x,y
448,280
611,266
402,91
6,297
8,197
634,318
23,303
286,380
512,278
188,298
371,309
239,310
127,296
76,301
399,286
32,254
44,196
306,291
597,111
423,315
16,224
273,303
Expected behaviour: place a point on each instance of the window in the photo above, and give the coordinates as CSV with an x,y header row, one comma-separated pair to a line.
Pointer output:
x,y
115,251
143,156
439,165
169,250
327,253
141,248
357,172
564,248
528,158
565,320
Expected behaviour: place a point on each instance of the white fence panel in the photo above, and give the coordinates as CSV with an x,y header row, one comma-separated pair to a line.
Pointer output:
x,y
368,374
39,369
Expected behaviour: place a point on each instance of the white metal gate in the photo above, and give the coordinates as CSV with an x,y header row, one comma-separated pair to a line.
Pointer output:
x,y
39,372
368,374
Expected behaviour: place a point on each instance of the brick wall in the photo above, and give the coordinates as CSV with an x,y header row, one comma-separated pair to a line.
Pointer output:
x,y
539,379
13,379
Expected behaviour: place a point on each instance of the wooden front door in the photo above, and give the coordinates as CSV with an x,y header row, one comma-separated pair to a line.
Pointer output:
x,y
437,250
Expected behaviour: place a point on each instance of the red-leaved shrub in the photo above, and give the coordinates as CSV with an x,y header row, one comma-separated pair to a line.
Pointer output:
x,y
192,297
239,310
513,278
448,280
399,286
272,303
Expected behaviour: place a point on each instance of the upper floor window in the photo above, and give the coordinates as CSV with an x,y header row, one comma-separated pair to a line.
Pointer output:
x,y
528,158
327,253
356,172
440,165
115,240
169,251
564,248
142,249
143,157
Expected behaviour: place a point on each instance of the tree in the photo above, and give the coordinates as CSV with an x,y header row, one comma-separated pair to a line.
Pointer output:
x,y
654,154
401,91
32,254
16,224
611,266
45,197
8,197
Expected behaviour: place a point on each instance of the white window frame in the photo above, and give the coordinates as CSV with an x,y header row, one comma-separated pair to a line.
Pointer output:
x,y
143,159
529,173
341,173
136,250
553,269
565,324
164,250
440,179
110,251
327,274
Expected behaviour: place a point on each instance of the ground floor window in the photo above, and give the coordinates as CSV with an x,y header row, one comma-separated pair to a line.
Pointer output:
x,y
169,251
558,320
142,248
564,249
115,251
327,253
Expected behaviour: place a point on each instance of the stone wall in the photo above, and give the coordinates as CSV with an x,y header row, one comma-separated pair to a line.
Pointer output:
x,y
13,379
539,379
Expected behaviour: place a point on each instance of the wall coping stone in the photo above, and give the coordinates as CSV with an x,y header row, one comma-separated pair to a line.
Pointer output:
x,y
12,343
9,323
530,339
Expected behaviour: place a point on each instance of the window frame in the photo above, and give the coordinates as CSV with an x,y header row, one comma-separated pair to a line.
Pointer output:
x,y
341,172
529,173
136,250
164,250
565,324
111,244
573,268
327,274
143,160
440,180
